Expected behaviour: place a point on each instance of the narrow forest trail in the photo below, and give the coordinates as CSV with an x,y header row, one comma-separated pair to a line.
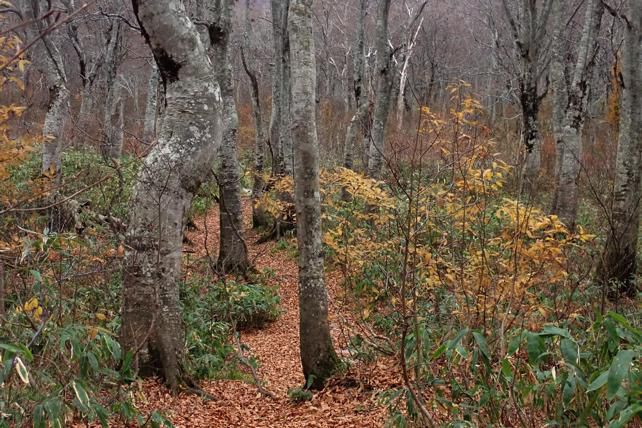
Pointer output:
x,y
347,402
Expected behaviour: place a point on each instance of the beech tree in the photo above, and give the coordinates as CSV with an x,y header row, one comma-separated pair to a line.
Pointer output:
x,y
568,134
318,357
384,82
232,255
358,124
53,67
528,22
258,217
280,138
170,175
618,266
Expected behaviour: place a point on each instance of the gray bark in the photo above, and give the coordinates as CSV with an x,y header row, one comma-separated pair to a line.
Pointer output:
x,y
232,255
258,216
558,84
58,108
151,105
112,143
385,83
618,266
357,125
528,26
318,357
166,183
279,125
569,137
114,123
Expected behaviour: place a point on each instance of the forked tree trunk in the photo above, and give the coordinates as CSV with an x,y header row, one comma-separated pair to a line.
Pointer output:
x,y
385,83
232,256
318,357
618,266
569,140
164,188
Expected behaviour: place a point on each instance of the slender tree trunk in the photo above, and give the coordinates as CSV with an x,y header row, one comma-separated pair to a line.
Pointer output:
x,y
54,126
403,79
530,103
385,83
318,357
166,183
151,105
560,96
114,123
232,256
277,118
618,266
58,108
357,124
259,218
570,139
112,143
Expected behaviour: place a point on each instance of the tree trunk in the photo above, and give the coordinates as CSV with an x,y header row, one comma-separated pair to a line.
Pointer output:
x,y
318,357
618,266
58,108
357,124
151,105
114,123
54,127
232,256
530,104
85,113
570,139
385,83
187,143
259,217
560,96
112,141
277,119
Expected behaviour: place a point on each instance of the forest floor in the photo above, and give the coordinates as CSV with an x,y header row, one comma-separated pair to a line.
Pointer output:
x,y
351,400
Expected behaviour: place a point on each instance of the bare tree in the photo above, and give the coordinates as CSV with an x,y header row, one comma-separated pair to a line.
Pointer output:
x,y
318,357
53,67
568,135
232,255
385,81
258,217
528,23
187,143
358,124
280,139
618,266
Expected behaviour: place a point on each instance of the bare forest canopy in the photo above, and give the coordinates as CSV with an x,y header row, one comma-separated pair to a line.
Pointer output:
x,y
329,213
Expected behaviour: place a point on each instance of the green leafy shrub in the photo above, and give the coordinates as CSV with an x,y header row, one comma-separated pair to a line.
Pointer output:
x,y
60,357
248,306
211,311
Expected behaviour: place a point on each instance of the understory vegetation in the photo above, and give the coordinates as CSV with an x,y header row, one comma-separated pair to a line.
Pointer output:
x,y
423,253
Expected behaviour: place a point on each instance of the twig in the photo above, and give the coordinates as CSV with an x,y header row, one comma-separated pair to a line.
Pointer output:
x,y
246,362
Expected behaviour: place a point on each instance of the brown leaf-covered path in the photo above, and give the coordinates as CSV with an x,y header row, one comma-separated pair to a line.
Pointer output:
x,y
350,401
